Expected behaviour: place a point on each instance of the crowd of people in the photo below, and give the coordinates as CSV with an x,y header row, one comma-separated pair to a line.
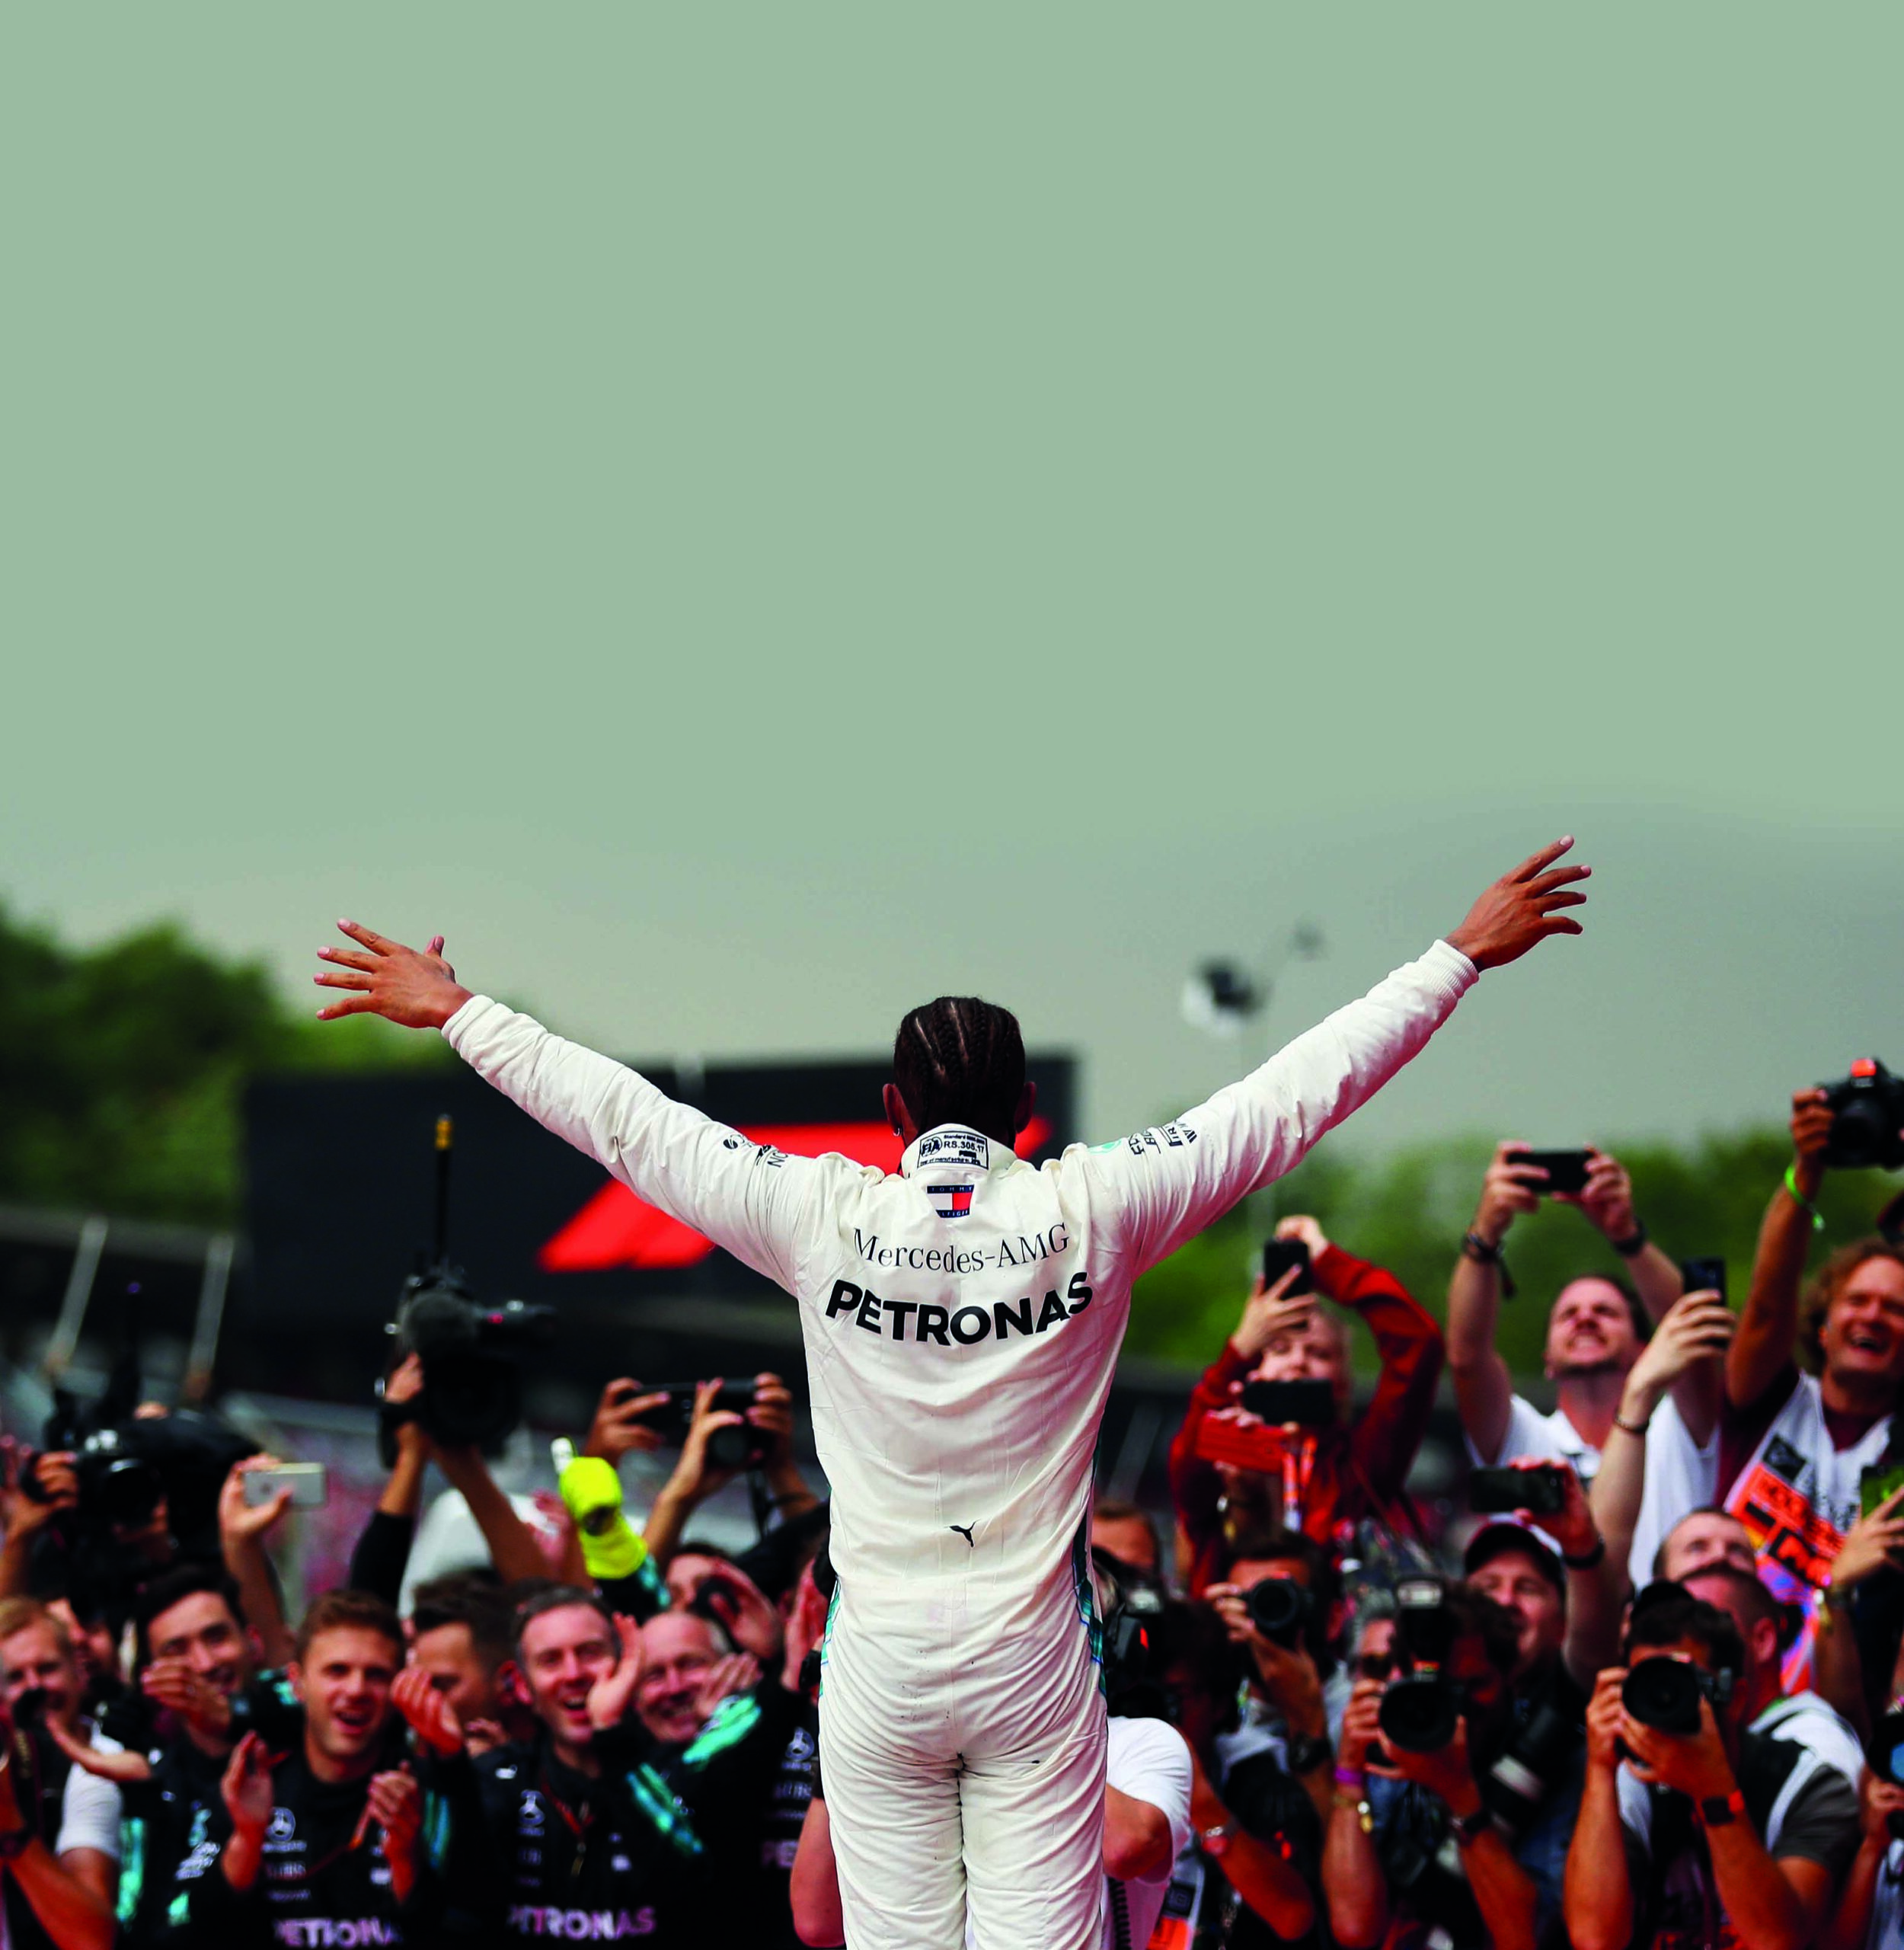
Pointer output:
x,y
1643,1694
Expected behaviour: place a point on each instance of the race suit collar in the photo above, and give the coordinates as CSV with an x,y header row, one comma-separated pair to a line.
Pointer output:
x,y
956,1145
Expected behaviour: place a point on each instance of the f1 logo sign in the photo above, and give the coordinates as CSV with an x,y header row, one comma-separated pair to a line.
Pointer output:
x,y
616,1229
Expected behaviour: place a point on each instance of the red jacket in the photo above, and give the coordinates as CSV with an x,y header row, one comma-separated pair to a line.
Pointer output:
x,y
1357,1468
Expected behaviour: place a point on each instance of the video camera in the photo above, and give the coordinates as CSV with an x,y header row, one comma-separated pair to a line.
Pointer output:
x,y
472,1354
1867,1116
1133,1687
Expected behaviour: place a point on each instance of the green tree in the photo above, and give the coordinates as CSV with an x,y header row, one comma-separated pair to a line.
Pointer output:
x,y
1408,1210
123,1070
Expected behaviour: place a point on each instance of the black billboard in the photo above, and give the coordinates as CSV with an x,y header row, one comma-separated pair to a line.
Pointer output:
x,y
342,1171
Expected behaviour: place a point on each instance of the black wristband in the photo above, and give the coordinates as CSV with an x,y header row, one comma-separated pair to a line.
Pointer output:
x,y
1474,1247
1635,1242
1589,1562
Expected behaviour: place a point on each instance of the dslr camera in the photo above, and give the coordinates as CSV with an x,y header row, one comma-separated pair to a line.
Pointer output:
x,y
1280,1609
1867,1115
1419,1705
1664,1692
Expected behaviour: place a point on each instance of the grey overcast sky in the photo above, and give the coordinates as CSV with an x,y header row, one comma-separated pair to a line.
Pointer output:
x,y
747,522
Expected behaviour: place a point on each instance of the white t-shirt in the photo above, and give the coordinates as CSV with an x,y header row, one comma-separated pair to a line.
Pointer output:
x,y
1680,1476
1808,1721
89,1808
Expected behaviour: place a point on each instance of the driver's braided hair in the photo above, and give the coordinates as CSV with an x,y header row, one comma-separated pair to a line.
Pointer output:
x,y
961,1061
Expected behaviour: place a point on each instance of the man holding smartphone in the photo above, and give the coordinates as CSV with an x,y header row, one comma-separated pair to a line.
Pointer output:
x,y
1324,1478
962,1319
1595,1333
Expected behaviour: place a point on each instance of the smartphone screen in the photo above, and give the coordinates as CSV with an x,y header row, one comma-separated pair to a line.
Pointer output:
x,y
1874,1485
1566,1170
1701,1275
1279,1255
305,1481
1497,1492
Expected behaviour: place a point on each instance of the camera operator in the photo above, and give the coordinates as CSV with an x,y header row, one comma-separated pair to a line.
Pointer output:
x,y
1252,1871
569,1832
696,1477
323,1844
1411,1836
1708,1834
59,1844
1793,1446
1354,1470
1595,1333
1870,1913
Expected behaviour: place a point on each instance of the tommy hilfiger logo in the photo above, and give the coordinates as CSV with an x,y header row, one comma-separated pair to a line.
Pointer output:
x,y
950,1201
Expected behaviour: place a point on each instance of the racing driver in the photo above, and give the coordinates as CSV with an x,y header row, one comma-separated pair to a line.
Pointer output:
x,y
961,1319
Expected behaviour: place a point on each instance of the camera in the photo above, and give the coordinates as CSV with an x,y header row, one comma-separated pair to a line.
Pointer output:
x,y
471,1357
1132,1606
732,1445
1419,1706
1867,1115
1280,1609
1664,1693
1500,1491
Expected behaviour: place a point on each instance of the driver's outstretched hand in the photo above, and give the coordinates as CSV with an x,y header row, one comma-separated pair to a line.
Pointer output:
x,y
420,991
1518,909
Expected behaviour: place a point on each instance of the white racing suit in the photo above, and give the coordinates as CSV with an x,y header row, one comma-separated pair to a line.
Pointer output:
x,y
961,1322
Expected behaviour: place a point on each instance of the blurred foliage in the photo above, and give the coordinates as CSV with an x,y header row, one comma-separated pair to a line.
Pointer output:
x,y
1408,1210
122,1070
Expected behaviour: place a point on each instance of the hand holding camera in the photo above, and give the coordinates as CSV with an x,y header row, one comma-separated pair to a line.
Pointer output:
x,y
36,1486
1512,1184
1693,1762
1269,1620
1285,1306
622,1424
1874,1542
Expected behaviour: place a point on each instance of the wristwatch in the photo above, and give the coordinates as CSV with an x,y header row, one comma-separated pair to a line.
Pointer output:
x,y
1307,1752
1216,1841
1472,1827
1634,1243
1717,1810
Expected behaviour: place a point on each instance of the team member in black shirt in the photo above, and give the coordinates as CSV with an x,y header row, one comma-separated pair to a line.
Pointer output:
x,y
324,1847
570,1834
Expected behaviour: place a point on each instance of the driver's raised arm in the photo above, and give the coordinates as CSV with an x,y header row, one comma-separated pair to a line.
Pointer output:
x,y
745,1197
1172,1181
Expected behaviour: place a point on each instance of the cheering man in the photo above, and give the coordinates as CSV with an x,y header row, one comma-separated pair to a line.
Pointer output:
x,y
962,1317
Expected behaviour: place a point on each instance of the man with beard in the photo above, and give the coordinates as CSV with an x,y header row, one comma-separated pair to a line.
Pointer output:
x,y
1595,1333
569,1833
1793,1446
323,1845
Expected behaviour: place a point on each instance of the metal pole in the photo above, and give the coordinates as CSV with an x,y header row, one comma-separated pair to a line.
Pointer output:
x,y
79,1289
211,1317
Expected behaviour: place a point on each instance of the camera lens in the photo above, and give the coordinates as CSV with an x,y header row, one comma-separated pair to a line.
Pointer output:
x,y
1418,1712
731,1448
1663,1693
1277,1607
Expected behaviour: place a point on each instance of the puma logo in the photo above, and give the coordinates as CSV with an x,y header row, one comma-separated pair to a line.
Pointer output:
x,y
964,1530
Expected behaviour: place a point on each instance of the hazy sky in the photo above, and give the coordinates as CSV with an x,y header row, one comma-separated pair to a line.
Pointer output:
x,y
745,522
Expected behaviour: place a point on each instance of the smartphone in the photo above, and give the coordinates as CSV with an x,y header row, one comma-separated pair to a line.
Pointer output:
x,y
1498,1492
305,1481
1699,1274
1875,1484
1279,1255
1253,1448
1566,1170
1311,1403
672,1418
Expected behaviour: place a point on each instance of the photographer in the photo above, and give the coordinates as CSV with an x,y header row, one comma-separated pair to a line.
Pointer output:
x,y
1707,1834
323,1844
570,1825
1792,1445
1399,1807
1595,1334
696,1477
1252,1871
1869,1913
59,1844
1280,1601
1340,1473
